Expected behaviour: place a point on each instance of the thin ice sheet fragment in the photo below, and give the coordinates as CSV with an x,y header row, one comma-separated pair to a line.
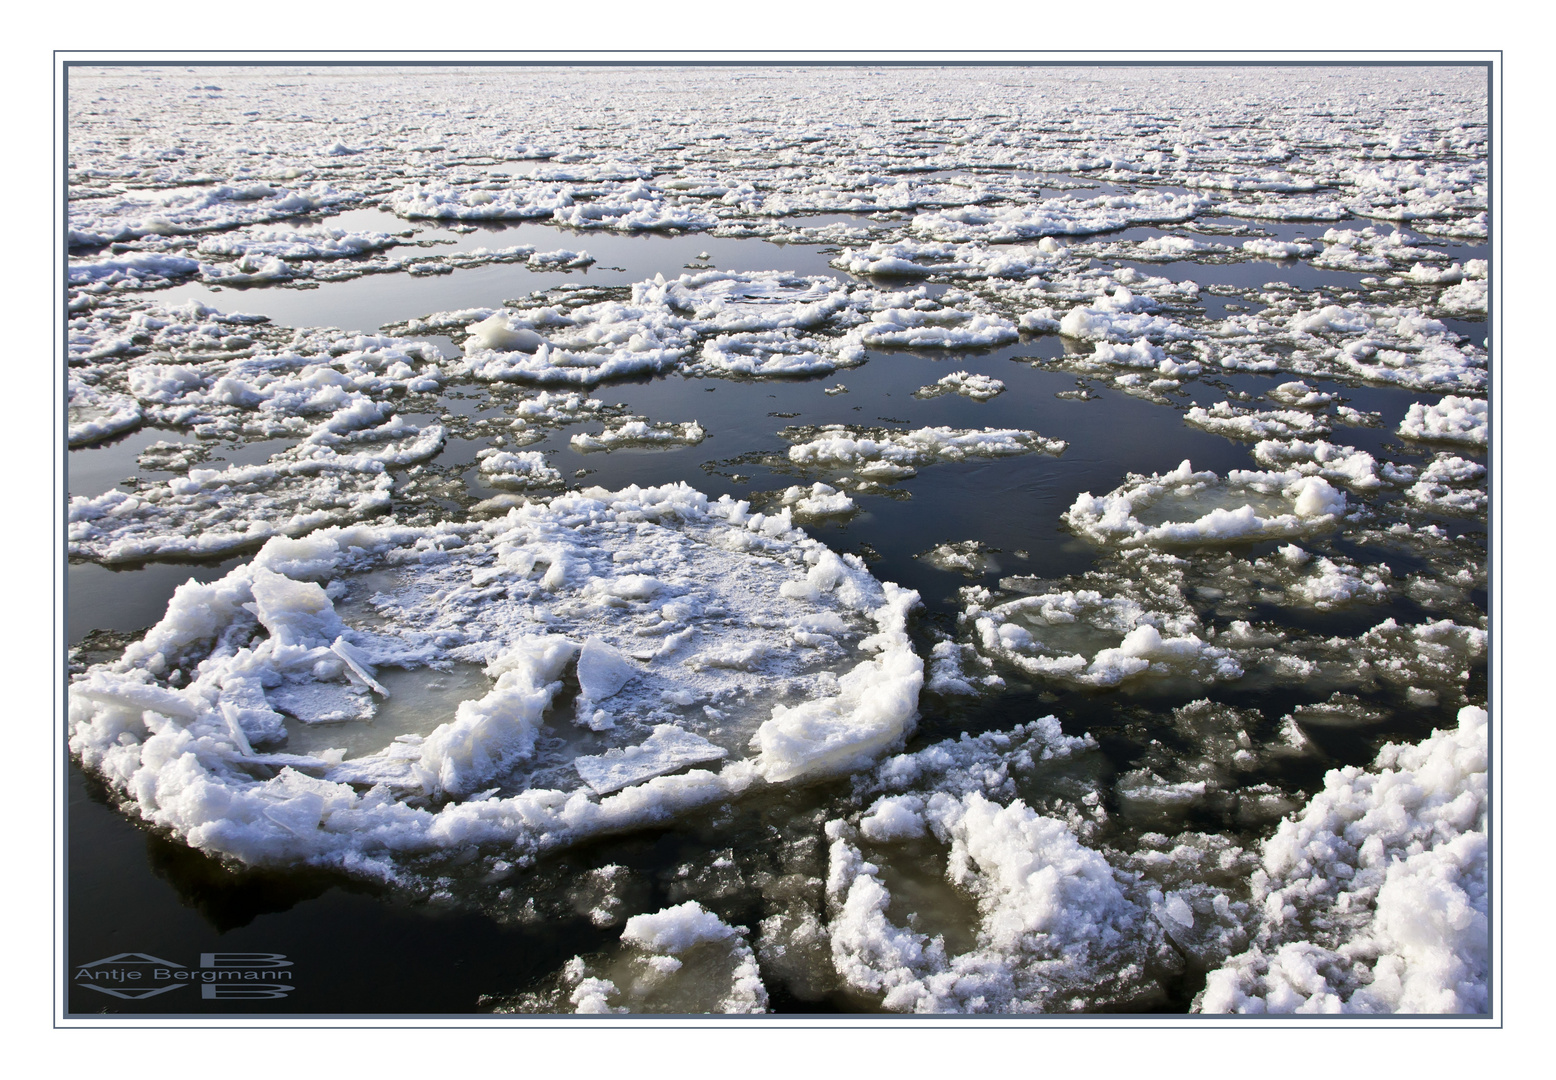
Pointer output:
x,y
668,749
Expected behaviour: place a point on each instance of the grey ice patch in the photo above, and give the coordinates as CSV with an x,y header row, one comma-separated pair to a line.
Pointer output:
x,y
322,702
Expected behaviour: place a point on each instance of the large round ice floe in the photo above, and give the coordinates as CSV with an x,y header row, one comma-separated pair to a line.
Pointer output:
x,y
686,632
1188,507
1374,897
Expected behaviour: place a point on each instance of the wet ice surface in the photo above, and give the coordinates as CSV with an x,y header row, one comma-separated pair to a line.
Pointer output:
x,y
546,495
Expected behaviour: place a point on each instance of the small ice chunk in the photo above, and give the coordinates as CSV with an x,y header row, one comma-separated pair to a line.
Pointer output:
x,y
602,670
895,817
495,333
676,929
1294,555
296,613
1178,910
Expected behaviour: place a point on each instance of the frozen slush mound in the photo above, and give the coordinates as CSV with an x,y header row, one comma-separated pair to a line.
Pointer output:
x,y
1187,507
687,632
1374,897
683,959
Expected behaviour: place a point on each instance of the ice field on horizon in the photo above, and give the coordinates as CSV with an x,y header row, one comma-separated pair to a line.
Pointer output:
x,y
920,540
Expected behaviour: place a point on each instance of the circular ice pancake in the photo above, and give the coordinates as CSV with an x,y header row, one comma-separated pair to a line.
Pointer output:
x,y
644,651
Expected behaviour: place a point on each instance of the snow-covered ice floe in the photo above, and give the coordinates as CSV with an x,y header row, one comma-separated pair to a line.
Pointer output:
x,y
640,433
686,631
517,469
1224,418
95,415
977,387
1187,507
441,703
1453,419
332,477
975,877
1443,486
817,501
1374,898
880,454
1382,343
766,323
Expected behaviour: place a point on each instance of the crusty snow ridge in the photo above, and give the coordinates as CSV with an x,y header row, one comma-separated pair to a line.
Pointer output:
x,y
774,657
